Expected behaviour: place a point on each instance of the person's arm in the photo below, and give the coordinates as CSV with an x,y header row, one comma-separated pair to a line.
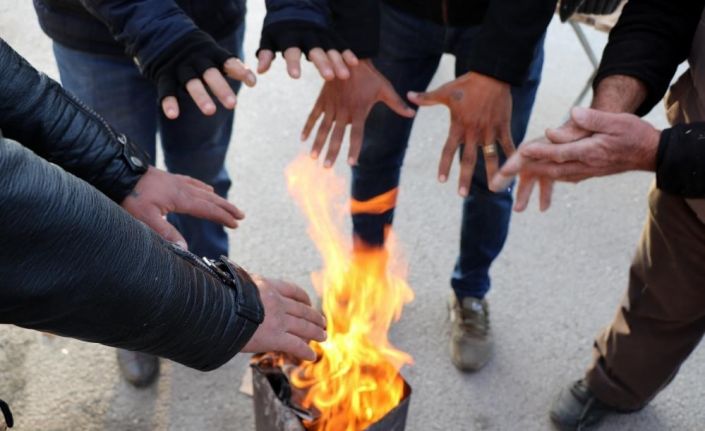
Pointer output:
x,y
650,40
505,45
36,111
173,52
74,264
333,34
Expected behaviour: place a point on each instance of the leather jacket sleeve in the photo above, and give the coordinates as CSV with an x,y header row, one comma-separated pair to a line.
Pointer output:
x,y
36,111
75,264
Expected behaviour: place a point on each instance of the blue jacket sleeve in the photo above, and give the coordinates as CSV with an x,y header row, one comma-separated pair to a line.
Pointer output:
x,y
312,11
144,27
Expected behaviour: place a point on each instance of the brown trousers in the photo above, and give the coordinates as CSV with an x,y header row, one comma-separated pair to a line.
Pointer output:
x,y
662,317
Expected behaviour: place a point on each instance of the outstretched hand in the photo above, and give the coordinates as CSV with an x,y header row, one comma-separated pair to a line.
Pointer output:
x,y
159,193
348,102
593,143
480,114
290,322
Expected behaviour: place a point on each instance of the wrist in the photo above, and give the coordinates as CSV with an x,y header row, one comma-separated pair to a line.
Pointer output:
x,y
651,150
619,93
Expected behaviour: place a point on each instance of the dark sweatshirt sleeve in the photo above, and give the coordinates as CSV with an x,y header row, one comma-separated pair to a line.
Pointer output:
x,y
355,22
650,40
507,40
680,162
75,264
36,111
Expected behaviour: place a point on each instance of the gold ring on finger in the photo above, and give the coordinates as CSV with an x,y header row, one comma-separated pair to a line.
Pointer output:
x,y
489,150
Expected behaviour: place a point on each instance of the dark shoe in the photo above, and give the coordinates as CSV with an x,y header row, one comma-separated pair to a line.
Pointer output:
x,y
576,408
470,339
140,369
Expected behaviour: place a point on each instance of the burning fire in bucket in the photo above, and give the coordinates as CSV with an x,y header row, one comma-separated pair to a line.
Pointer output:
x,y
355,381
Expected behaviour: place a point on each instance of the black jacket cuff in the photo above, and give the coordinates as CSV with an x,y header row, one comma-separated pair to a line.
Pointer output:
x,y
680,161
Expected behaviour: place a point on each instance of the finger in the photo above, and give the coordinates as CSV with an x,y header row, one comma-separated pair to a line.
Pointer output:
x,y
341,69
170,106
394,102
449,149
594,120
292,291
311,122
336,141
321,135
200,96
196,183
236,69
305,312
264,60
223,203
524,189
319,58
506,142
467,163
304,329
350,58
357,132
297,347
220,87
568,132
205,205
545,193
159,224
293,62
428,98
561,153
504,178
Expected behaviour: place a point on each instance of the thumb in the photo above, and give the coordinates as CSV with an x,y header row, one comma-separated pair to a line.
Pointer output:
x,y
166,230
395,102
593,120
428,98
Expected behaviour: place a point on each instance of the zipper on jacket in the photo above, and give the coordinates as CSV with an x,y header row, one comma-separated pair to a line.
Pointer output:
x,y
444,11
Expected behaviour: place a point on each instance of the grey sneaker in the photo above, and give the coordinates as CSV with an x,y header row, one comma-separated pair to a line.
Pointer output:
x,y
140,369
470,339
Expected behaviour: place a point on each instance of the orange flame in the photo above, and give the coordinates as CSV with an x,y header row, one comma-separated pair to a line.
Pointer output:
x,y
355,382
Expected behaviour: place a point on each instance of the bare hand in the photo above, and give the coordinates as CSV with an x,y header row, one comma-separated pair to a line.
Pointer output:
x,y
602,144
159,193
331,64
480,114
343,103
290,322
214,81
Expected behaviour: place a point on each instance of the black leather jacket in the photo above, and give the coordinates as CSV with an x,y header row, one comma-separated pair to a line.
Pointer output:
x,y
75,264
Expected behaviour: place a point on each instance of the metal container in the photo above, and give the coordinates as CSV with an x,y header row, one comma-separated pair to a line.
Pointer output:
x,y
273,414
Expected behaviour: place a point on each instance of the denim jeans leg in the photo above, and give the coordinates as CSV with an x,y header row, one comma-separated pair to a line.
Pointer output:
x,y
196,145
114,88
408,58
486,215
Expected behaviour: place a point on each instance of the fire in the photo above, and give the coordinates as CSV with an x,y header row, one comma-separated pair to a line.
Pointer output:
x,y
355,382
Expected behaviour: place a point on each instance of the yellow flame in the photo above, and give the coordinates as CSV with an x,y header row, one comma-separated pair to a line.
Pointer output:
x,y
355,382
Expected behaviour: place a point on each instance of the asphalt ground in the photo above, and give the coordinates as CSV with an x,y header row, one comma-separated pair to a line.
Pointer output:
x,y
557,283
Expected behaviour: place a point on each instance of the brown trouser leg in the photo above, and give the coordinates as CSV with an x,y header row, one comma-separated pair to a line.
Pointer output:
x,y
662,317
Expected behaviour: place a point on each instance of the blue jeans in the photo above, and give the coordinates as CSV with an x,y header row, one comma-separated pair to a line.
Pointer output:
x,y
193,144
410,51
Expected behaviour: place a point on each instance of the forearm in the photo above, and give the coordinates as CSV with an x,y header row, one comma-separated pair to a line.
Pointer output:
x,y
36,111
74,264
648,43
619,93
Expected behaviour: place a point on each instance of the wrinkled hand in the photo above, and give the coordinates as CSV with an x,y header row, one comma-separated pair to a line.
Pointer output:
x,y
159,193
480,114
290,322
321,46
343,103
594,143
